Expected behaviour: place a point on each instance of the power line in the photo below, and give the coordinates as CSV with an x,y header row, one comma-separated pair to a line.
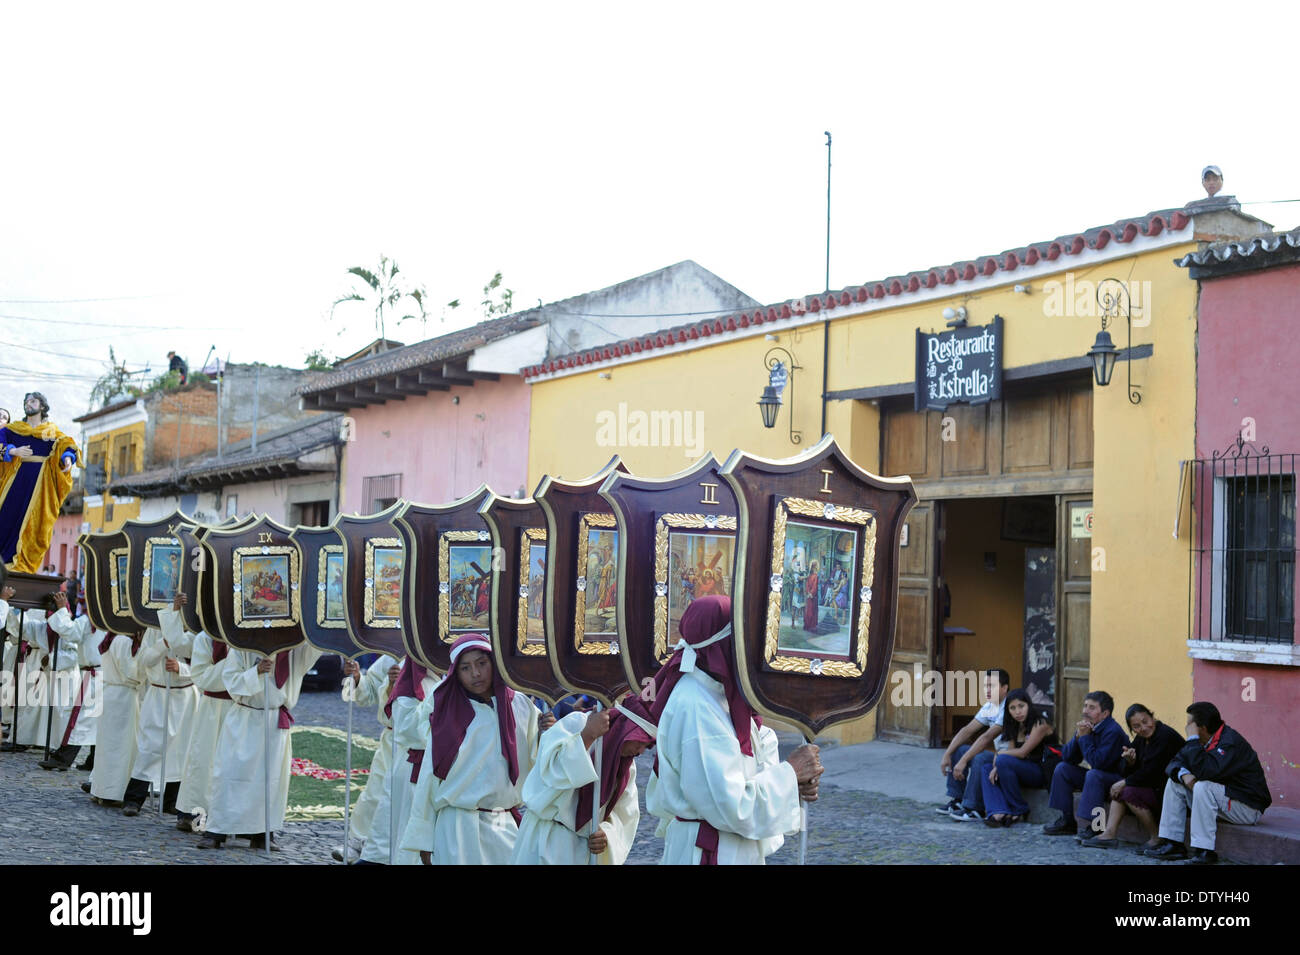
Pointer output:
x,y
153,328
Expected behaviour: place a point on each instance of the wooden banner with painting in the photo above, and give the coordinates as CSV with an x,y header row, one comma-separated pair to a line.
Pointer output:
x,y
581,608
324,622
108,574
448,578
155,560
518,530
677,543
374,561
90,590
256,584
816,583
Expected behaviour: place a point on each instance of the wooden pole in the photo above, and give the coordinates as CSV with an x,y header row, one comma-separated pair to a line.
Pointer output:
x,y
347,789
595,792
266,804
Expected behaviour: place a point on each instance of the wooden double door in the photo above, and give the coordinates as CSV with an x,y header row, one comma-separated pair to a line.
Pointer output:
x,y
1035,441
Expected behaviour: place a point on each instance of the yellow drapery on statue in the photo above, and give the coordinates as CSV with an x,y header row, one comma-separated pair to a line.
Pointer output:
x,y
37,515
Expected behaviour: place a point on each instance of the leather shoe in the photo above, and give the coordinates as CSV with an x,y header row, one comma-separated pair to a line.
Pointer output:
x,y
131,809
1062,827
212,841
1097,842
259,842
1203,857
1168,851
85,787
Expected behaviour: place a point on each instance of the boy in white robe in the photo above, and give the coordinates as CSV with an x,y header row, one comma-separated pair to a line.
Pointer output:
x,y
720,807
51,697
480,749
371,688
75,632
115,737
166,719
559,791
239,770
410,729
206,659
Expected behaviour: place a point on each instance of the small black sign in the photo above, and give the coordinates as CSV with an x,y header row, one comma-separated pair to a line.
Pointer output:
x,y
962,365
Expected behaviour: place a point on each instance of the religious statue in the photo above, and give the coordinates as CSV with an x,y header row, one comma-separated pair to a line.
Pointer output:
x,y
36,460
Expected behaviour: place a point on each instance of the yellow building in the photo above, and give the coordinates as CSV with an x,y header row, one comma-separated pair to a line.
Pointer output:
x,y
113,439
1044,541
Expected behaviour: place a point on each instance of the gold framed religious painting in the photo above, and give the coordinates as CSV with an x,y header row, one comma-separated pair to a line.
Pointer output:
x,y
383,583
162,572
595,618
265,585
117,580
694,556
531,633
464,583
819,600
329,609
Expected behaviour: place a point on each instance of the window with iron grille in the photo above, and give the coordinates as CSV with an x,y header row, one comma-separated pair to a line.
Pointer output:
x,y
1244,550
381,491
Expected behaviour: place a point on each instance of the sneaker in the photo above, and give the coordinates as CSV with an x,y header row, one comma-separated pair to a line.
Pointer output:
x,y
970,815
1202,857
948,807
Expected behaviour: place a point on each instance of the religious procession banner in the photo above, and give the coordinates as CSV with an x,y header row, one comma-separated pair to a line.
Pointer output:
x,y
581,607
373,563
816,583
108,576
677,543
155,559
448,578
324,621
256,584
518,529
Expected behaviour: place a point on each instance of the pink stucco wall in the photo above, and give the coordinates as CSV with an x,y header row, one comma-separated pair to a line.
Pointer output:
x,y
443,450
1248,354
63,552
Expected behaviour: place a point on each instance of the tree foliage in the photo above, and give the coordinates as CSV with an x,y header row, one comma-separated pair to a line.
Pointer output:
x,y
496,299
385,290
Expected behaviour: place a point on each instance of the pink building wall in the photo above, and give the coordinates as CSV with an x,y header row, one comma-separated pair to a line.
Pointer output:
x,y
1248,352
63,552
442,449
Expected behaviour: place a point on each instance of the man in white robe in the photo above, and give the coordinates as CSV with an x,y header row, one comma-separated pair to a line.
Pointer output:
x,y
51,676
166,719
124,683
206,657
371,688
239,772
549,834
708,791
467,817
409,736
79,728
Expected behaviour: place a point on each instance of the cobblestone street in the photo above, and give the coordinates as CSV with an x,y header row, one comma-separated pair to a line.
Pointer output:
x,y
848,826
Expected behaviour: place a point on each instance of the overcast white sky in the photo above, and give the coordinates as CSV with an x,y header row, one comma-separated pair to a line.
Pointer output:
x,y
205,176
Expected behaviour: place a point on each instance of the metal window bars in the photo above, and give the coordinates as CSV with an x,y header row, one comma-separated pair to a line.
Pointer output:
x,y
1241,563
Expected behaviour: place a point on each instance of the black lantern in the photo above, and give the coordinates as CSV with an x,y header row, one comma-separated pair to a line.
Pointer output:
x,y
769,405
1113,297
1103,353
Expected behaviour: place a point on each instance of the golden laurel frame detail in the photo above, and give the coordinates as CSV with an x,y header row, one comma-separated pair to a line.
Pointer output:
x,y
580,642
664,527
115,595
149,544
322,575
368,601
526,539
445,540
866,520
293,583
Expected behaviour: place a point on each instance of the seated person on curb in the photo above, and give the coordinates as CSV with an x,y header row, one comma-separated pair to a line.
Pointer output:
x,y
965,796
1218,776
1031,744
1154,745
1099,740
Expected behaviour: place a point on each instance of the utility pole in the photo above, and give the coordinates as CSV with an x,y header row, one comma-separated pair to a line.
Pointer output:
x,y
826,324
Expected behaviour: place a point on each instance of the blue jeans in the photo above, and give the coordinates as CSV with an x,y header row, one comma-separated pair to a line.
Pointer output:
x,y
968,790
1095,786
1004,795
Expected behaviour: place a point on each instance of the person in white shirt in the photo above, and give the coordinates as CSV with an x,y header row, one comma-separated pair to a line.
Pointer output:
x,y
974,759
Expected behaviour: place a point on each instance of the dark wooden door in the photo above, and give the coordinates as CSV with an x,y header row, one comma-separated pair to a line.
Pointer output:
x,y
901,715
1074,559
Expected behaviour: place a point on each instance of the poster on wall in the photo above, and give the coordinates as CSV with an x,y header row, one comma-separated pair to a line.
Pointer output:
x,y
1040,625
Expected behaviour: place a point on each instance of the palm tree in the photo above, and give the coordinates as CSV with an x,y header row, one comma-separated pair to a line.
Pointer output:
x,y
384,291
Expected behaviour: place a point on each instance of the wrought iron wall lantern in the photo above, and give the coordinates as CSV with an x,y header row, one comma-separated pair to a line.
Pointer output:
x,y
1113,297
779,374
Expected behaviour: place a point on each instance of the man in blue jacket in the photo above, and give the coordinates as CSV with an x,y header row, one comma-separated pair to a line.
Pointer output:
x,y
1218,776
1100,741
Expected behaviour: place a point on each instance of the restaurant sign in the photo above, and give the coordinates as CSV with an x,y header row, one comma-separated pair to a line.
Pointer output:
x,y
961,365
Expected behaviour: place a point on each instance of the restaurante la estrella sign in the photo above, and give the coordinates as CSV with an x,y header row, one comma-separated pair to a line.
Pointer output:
x,y
961,365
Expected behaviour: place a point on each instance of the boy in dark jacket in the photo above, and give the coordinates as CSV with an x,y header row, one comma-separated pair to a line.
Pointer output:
x,y
1218,776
